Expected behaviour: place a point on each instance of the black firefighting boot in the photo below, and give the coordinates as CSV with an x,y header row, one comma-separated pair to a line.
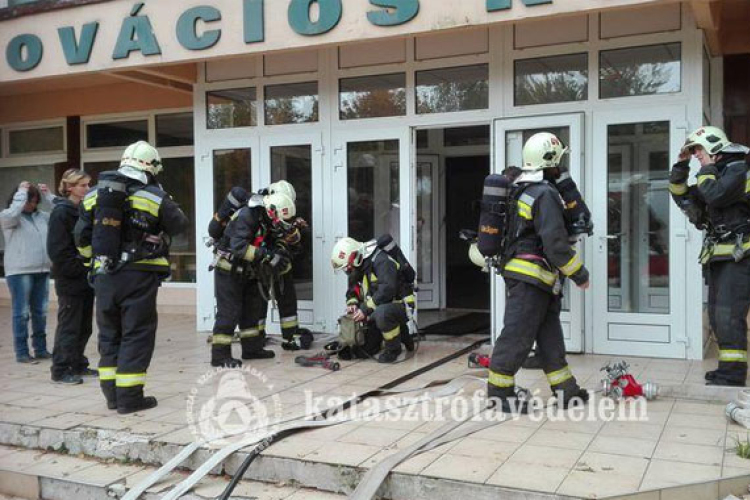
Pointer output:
x,y
390,354
574,398
110,394
131,400
514,400
252,348
305,338
221,357
406,337
729,373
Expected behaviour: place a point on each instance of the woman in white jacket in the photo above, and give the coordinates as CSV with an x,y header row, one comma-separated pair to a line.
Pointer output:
x,y
27,268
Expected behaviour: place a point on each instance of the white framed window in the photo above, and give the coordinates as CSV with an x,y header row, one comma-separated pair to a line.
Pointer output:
x,y
38,139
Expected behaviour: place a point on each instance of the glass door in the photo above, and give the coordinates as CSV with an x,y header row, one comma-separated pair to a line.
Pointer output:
x,y
510,136
640,240
428,231
372,191
224,164
298,160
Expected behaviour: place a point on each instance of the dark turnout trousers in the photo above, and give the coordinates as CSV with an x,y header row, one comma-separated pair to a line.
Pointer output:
x,y
238,303
127,320
75,316
531,314
390,319
728,304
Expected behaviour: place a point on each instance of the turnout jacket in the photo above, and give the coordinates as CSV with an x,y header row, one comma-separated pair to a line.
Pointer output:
x,y
719,202
538,248
68,267
374,283
246,234
148,201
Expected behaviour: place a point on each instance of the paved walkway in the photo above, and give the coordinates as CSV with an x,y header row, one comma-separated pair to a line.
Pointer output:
x,y
681,442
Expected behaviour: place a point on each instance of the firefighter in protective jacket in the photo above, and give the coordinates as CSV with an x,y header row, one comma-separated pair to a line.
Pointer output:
x,y
719,203
537,257
246,254
374,293
288,235
125,227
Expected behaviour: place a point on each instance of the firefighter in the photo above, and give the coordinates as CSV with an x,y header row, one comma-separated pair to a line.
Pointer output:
x,y
537,257
719,203
289,237
126,224
373,295
245,254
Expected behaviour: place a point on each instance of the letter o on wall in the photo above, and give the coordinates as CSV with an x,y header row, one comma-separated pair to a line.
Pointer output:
x,y
299,16
14,52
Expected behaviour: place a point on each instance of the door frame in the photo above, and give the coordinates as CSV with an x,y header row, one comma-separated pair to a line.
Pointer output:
x,y
675,320
573,320
204,210
339,204
305,308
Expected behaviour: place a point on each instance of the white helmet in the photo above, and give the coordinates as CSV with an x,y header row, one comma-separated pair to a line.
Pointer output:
x,y
712,139
476,257
283,187
142,156
542,150
279,206
347,254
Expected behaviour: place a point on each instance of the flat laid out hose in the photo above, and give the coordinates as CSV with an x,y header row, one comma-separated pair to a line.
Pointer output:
x,y
355,400
258,436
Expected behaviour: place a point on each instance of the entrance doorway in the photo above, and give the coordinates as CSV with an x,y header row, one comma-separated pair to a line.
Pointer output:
x,y
451,166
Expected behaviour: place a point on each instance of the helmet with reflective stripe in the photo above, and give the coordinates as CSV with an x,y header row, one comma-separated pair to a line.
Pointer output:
x,y
712,139
283,187
542,150
279,206
142,156
347,254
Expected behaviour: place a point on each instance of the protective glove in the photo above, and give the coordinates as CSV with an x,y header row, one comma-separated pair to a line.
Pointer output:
x,y
680,172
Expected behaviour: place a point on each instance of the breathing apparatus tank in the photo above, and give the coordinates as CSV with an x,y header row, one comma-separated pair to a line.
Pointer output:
x,y
494,206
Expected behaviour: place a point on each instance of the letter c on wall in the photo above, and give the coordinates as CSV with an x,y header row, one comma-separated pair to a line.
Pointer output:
x,y
299,16
186,28
14,52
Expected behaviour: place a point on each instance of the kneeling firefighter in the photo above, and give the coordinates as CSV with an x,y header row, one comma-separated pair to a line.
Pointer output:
x,y
719,203
536,256
375,295
126,224
288,236
244,252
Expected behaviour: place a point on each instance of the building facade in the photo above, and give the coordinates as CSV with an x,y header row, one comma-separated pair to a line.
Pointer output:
x,y
386,116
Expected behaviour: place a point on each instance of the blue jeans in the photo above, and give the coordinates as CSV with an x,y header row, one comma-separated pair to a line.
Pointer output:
x,y
29,293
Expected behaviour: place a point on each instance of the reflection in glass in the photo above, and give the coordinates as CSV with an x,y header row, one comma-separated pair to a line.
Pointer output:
x,y
478,135
36,140
638,218
178,180
654,69
291,103
373,189
551,79
424,221
110,135
372,96
294,164
231,108
231,168
174,129
453,89
10,178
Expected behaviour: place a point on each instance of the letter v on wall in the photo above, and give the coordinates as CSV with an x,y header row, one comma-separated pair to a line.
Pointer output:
x,y
78,52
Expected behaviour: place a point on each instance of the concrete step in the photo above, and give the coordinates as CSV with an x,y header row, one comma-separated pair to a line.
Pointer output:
x,y
32,475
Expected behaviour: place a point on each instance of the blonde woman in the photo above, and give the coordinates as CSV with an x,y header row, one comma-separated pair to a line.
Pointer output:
x,y
75,296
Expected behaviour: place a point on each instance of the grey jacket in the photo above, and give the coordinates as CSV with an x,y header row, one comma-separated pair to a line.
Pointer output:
x,y
25,236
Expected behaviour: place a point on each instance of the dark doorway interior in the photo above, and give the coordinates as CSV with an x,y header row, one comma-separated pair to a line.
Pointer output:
x,y
467,286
